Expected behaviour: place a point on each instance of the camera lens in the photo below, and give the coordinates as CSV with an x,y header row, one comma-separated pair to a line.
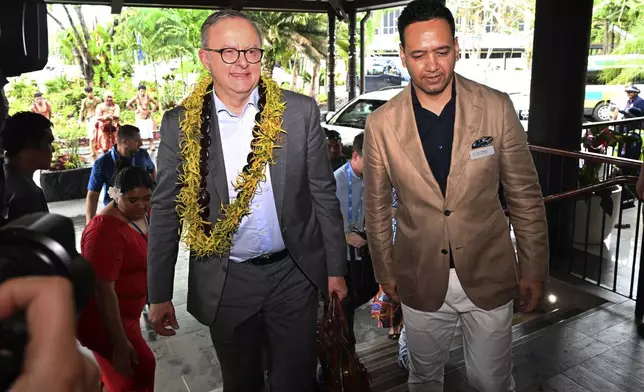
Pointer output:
x,y
37,245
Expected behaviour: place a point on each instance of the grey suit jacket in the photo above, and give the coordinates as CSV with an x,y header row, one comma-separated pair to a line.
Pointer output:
x,y
307,207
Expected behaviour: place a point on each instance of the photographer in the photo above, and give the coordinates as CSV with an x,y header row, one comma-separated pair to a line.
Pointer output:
x,y
52,361
26,138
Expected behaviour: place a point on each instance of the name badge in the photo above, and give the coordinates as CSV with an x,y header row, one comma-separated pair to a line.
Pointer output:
x,y
482,152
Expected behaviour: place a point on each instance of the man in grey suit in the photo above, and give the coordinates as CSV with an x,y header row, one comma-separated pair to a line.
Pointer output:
x,y
261,294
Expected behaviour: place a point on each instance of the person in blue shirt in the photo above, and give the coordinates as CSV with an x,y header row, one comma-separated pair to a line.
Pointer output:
x,y
634,106
127,152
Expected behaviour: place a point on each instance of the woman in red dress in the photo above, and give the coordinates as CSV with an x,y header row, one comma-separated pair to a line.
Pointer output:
x,y
115,243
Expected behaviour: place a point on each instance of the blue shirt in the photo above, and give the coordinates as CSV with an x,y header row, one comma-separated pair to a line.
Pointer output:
x,y
356,221
259,233
104,169
637,102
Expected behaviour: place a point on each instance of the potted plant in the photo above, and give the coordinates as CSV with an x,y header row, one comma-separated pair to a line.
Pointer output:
x,y
604,202
68,176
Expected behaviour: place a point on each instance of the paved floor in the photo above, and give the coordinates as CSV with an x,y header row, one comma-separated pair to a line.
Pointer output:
x,y
564,347
187,362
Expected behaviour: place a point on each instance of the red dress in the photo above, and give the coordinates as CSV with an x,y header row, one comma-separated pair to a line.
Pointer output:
x,y
118,253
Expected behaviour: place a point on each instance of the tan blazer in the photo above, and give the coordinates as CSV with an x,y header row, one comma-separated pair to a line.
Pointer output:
x,y
469,217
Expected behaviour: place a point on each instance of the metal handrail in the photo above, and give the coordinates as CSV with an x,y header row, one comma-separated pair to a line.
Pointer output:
x,y
590,156
614,122
621,180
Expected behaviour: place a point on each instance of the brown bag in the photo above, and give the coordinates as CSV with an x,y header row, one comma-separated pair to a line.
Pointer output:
x,y
337,354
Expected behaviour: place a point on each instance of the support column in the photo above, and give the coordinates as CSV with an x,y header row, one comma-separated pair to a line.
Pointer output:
x,y
330,63
560,58
363,23
351,80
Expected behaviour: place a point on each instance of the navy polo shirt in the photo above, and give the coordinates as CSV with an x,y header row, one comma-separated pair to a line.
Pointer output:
x,y
437,136
104,169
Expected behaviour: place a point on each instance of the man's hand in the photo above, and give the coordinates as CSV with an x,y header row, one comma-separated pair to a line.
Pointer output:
x,y
52,361
391,290
355,240
338,286
531,292
163,318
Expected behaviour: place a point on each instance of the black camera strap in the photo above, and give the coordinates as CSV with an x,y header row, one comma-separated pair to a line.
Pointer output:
x,y
5,199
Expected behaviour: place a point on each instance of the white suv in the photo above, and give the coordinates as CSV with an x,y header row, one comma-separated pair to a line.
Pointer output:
x,y
350,120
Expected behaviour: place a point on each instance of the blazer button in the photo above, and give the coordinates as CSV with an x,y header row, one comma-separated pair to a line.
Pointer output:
x,y
444,251
448,212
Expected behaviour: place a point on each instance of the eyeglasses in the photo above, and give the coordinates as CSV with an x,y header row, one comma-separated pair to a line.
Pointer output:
x,y
231,55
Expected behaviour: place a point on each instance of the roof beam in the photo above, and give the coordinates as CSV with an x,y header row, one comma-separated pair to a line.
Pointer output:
x,y
117,6
370,5
259,5
339,9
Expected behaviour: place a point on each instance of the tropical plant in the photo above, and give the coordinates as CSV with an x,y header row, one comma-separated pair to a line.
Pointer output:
x,y
67,159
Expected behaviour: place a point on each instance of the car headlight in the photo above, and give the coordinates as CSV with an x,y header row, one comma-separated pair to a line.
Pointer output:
x,y
523,115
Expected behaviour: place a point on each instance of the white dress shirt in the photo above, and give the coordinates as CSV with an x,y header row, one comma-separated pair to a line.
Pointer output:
x,y
259,233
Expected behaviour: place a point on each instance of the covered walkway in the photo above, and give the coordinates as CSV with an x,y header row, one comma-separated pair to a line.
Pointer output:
x,y
587,342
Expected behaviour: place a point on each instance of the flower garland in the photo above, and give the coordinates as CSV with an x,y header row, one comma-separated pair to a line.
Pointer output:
x,y
202,236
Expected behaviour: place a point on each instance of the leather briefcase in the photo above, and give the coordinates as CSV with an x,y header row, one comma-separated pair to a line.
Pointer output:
x,y
336,351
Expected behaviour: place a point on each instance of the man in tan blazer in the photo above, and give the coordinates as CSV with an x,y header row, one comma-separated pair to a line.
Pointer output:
x,y
444,143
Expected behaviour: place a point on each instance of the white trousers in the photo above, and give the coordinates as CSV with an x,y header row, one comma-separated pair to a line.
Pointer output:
x,y
145,127
91,126
487,343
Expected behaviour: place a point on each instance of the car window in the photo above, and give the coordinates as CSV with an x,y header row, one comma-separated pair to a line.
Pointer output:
x,y
355,116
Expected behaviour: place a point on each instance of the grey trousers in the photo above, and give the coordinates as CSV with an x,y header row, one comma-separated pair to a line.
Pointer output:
x,y
266,321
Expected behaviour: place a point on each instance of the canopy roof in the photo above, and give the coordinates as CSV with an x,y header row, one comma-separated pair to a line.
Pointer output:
x,y
340,6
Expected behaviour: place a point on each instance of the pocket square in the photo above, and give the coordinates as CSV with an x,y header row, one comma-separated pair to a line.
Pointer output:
x,y
482,142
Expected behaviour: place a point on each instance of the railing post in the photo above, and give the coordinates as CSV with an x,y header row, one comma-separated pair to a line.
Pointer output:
x,y
639,301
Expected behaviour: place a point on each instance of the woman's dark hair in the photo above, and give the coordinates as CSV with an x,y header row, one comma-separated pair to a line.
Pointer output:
x,y
132,177
422,11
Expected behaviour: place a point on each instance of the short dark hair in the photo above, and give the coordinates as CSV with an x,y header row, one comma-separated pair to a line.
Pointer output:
x,y
38,95
142,87
422,11
89,89
25,130
332,135
358,141
132,177
127,132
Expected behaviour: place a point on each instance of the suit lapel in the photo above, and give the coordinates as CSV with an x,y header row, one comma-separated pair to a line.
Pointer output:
x,y
405,128
217,165
278,169
466,127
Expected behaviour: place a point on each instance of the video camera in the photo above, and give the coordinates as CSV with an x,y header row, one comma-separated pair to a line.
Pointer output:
x,y
37,245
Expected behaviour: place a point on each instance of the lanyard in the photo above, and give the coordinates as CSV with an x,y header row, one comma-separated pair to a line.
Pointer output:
x,y
350,176
116,158
147,222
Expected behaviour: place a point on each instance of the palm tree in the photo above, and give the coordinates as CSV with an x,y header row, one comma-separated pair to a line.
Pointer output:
x,y
287,34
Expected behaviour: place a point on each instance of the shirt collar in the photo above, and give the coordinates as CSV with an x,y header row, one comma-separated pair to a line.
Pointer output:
x,y
416,102
350,169
115,155
221,107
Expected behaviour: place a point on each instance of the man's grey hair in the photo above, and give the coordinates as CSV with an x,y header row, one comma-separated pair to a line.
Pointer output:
x,y
217,17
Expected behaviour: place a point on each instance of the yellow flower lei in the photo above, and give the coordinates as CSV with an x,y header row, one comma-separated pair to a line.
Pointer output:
x,y
218,239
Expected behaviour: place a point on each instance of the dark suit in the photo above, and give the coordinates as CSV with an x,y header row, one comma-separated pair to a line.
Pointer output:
x,y
20,195
278,300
